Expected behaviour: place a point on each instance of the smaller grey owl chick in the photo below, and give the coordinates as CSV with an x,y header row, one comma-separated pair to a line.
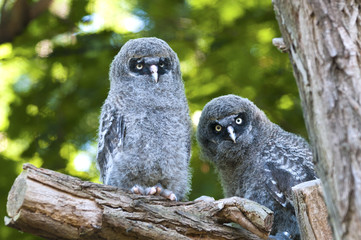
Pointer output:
x,y
145,128
255,158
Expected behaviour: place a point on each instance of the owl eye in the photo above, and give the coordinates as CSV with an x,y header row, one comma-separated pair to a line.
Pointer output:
x,y
139,66
218,128
239,121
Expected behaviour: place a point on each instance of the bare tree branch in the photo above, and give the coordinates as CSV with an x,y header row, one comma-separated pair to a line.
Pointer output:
x,y
57,206
15,18
311,211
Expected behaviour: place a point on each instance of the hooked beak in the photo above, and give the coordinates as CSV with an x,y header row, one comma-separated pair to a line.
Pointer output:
x,y
231,133
154,72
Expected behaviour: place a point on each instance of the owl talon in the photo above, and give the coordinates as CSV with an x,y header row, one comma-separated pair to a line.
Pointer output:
x,y
138,190
159,188
151,191
165,193
155,190
168,195
172,197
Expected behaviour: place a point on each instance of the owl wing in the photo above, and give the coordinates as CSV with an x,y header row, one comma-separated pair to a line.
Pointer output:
x,y
285,168
111,138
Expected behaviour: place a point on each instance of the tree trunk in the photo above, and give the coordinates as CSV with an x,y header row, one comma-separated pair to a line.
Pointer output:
x,y
324,43
56,206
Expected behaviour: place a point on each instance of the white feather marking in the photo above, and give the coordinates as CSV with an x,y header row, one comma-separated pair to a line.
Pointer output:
x,y
279,194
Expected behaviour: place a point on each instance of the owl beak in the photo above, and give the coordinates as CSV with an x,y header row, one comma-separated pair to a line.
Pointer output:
x,y
231,133
154,72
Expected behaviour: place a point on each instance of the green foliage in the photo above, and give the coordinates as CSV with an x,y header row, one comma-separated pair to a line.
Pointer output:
x,y
54,77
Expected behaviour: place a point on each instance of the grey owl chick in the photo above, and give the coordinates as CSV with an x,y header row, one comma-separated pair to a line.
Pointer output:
x,y
255,158
145,129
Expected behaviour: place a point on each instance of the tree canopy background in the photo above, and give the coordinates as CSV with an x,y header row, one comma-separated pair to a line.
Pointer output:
x,y
54,63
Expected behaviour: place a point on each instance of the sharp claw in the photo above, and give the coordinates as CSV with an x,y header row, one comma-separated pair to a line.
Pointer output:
x,y
173,197
155,190
151,191
158,188
137,189
168,195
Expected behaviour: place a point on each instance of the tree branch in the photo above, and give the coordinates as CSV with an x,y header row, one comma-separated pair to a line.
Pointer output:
x,y
311,211
57,206
15,16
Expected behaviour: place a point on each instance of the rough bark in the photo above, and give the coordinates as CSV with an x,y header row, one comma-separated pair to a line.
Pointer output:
x,y
56,206
311,211
323,38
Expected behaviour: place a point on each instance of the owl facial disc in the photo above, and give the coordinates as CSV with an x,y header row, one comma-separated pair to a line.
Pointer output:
x,y
154,67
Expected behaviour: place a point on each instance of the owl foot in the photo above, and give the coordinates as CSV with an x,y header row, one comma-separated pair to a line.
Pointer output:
x,y
144,191
155,190
168,194
137,190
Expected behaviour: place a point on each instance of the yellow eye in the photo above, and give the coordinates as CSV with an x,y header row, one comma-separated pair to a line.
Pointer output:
x,y
239,121
139,66
218,128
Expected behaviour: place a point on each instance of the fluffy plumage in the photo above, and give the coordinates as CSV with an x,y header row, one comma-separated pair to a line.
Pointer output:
x,y
255,158
144,133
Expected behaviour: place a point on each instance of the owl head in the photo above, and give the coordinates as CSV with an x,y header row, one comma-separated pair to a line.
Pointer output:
x,y
146,60
227,123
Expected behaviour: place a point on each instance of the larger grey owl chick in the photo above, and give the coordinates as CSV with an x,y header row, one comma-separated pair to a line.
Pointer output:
x,y
145,128
255,158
